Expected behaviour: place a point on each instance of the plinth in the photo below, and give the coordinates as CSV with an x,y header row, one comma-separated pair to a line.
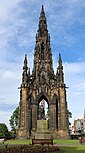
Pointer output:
x,y
42,130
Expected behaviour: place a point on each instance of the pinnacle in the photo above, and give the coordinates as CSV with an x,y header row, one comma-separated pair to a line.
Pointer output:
x,y
60,57
42,22
25,60
25,57
42,11
60,60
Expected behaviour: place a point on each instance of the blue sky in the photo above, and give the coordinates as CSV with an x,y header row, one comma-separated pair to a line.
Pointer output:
x,y
18,26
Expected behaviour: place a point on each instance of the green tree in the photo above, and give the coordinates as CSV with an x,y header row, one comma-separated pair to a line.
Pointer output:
x,y
69,116
14,119
4,131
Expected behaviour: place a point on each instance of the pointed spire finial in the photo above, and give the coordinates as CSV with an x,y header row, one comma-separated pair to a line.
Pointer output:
x,y
42,27
25,56
59,56
25,60
25,63
42,14
42,11
60,60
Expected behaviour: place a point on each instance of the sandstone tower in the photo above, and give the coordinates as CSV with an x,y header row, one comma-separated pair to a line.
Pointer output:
x,y
43,84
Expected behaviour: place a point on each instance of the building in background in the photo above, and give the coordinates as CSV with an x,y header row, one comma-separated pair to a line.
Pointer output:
x,y
78,129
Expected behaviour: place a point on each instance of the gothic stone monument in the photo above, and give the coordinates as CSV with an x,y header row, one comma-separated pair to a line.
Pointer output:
x,y
43,84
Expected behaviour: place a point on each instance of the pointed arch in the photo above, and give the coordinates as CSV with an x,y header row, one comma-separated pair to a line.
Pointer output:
x,y
43,94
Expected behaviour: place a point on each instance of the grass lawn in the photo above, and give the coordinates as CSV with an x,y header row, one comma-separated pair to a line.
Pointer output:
x,y
72,146
70,142
21,141
29,141
76,149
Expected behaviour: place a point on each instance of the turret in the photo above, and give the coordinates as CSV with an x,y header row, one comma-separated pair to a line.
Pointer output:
x,y
60,74
25,71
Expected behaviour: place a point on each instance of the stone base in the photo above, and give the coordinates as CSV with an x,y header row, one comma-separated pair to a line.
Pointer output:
x,y
42,130
42,125
42,135
63,134
22,133
60,134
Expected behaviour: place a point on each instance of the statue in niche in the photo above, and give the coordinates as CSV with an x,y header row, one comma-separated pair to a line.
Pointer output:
x,y
43,74
41,115
42,51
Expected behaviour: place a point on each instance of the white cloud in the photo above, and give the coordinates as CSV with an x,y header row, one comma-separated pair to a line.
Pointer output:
x,y
75,80
4,118
67,16
10,75
6,7
74,68
10,81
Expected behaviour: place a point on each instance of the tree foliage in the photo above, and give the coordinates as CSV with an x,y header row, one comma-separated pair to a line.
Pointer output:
x,y
14,119
4,131
69,116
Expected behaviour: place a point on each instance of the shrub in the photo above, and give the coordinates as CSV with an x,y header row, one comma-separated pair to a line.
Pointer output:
x,y
29,149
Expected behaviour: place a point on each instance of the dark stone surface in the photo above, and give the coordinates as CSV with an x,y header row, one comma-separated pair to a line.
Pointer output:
x,y
43,84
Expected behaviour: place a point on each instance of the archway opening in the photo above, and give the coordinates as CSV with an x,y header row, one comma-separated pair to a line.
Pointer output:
x,y
43,108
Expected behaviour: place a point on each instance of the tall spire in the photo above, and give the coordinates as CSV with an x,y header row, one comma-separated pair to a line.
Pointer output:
x,y
42,23
43,54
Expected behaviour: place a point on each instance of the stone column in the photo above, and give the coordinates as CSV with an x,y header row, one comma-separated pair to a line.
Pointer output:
x,y
29,121
63,109
34,117
22,131
23,107
52,117
59,115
